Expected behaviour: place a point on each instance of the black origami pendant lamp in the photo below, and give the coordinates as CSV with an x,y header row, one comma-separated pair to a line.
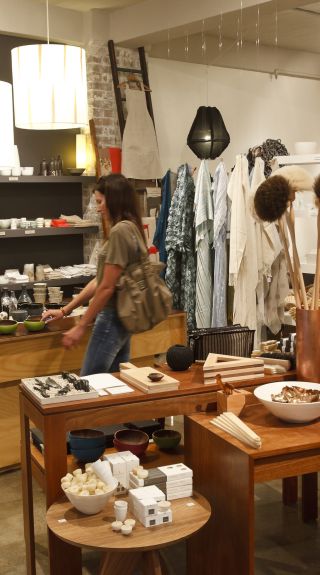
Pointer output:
x,y
208,136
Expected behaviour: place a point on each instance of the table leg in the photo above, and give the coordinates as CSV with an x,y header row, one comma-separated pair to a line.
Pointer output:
x,y
27,495
119,563
63,558
290,490
309,497
224,475
151,563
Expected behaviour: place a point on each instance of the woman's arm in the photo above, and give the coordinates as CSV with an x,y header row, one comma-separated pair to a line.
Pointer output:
x,y
103,293
83,297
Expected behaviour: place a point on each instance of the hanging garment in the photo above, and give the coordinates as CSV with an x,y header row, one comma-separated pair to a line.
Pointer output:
x,y
243,266
257,177
220,208
181,266
140,155
203,221
168,184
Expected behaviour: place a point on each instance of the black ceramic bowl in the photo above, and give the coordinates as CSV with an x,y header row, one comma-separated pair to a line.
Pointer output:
x,y
166,438
32,308
179,357
86,439
88,455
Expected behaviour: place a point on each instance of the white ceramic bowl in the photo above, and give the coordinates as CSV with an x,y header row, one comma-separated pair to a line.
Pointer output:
x,y
5,224
27,171
293,412
91,504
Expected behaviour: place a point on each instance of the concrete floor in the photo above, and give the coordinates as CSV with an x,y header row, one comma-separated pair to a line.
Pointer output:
x,y
284,545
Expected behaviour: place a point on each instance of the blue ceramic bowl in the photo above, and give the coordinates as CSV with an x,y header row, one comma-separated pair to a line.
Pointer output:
x,y
86,439
88,455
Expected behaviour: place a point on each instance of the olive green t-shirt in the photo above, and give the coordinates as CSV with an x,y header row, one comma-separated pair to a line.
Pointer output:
x,y
120,249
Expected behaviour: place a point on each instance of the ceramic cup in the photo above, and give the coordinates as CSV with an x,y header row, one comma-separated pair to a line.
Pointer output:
x,y
120,509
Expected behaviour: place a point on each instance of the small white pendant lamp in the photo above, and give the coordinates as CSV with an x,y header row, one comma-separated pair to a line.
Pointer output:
x,y
7,152
49,86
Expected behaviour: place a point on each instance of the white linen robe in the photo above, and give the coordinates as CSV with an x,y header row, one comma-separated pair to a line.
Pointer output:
x,y
243,265
203,220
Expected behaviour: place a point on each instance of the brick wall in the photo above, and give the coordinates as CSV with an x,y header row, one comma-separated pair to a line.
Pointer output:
x,y
102,107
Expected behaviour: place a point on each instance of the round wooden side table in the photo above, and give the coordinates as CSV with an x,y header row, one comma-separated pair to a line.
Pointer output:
x,y
123,553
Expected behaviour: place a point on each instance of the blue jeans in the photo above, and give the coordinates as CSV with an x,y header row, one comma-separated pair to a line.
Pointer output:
x,y
109,344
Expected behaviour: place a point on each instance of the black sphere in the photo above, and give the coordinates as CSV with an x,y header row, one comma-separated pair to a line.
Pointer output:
x,y
179,357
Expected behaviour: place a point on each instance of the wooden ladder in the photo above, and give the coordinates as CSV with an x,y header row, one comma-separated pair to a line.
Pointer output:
x,y
142,72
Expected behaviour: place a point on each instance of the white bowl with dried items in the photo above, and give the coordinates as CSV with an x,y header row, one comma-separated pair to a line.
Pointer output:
x,y
292,401
86,492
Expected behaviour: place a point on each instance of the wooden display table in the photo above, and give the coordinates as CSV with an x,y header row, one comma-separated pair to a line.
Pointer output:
x,y
26,354
122,554
226,470
56,419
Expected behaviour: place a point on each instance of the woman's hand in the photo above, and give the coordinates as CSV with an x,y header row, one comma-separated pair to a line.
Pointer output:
x,y
72,337
52,314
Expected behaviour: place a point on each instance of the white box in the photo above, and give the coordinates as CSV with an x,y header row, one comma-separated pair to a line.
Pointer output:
x,y
176,471
150,521
146,507
180,495
118,465
179,482
135,480
148,491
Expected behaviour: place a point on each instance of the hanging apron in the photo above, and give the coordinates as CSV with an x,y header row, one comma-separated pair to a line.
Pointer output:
x,y
140,154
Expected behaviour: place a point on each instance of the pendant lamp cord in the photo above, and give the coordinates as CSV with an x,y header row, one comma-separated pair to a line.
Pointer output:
x,y
47,4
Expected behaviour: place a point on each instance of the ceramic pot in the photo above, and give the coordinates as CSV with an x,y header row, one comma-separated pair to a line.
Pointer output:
x,y
307,344
179,357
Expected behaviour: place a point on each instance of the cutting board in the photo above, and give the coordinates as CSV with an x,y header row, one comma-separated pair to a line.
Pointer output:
x,y
138,376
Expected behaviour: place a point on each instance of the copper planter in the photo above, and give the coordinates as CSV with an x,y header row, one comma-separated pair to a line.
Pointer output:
x,y
308,345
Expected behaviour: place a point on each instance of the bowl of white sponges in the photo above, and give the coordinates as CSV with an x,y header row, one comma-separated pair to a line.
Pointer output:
x,y
86,491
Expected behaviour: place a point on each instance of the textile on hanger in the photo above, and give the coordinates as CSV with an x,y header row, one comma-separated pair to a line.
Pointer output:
x,y
203,221
243,266
220,208
140,154
181,265
168,184
208,136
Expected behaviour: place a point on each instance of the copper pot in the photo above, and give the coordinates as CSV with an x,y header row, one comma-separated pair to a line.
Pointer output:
x,y
307,345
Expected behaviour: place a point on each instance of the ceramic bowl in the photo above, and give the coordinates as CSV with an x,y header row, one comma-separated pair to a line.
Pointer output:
x,y
34,324
19,314
86,438
76,171
33,309
132,440
89,454
91,504
166,438
5,224
8,326
293,412
27,171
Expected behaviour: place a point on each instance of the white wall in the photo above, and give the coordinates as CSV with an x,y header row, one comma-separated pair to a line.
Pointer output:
x,y
253,105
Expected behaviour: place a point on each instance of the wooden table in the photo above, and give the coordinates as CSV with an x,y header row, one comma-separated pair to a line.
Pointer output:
x,y
56,419
24,354
122,554
226,470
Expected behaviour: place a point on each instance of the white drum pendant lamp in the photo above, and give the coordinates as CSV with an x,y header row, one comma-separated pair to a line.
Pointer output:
x,y
6,126
49,86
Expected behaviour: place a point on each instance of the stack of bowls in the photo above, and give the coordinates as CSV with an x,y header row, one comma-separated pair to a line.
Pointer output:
x,y
87,445
39,292
55,295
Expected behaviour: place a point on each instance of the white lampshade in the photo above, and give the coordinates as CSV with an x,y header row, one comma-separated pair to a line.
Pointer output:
x,y
81,151
49,87
6,126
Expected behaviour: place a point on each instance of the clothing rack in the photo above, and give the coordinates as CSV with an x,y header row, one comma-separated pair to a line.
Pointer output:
x,y
142,72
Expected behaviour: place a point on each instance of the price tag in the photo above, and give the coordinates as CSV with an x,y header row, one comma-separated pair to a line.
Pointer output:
x,y
13,178
29,232
2,233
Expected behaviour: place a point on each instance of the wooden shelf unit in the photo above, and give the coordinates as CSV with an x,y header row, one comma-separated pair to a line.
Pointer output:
x,y
52,231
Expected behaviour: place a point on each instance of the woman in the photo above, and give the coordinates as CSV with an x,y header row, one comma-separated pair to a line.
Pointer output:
x,y
110,342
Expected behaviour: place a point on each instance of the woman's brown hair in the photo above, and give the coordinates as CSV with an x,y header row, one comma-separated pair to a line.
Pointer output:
x,y
121,200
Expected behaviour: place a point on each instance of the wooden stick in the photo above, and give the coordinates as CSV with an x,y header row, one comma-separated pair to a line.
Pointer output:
x,y
95,147
293,279
316,283
296,261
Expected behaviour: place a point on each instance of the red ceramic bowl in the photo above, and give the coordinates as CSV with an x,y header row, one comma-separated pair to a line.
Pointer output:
x,y
132,440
